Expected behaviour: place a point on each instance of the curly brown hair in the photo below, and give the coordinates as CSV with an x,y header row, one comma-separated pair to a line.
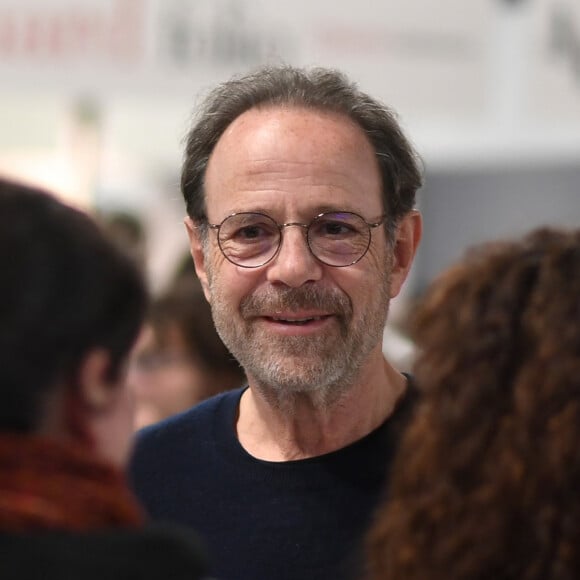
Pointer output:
x,y
487,480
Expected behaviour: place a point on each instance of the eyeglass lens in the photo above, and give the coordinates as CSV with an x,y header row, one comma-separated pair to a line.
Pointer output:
x,y
252,239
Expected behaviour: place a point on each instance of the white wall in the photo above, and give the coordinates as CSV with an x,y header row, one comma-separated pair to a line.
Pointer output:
x,y
468,207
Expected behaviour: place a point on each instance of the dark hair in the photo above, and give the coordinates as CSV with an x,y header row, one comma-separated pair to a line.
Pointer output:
x,y
486,480
127,232
318,89
185,307
64,290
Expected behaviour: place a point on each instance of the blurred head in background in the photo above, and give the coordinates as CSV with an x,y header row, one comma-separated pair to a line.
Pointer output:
x,y
127,231
71,306
179,359
486,481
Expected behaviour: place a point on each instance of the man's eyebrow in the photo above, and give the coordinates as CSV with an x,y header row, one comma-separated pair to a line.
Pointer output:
x,y
308,213
347,208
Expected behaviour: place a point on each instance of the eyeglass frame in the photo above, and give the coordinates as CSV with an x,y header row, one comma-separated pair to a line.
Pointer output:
x,y
371,226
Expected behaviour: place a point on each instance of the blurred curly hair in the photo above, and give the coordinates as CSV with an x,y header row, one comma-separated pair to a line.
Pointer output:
x,y
486,484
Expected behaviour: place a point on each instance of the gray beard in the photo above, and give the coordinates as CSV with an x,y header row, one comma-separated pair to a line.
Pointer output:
x,y
285,368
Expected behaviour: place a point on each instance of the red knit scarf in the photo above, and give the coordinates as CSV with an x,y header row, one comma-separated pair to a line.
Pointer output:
x,y
47,485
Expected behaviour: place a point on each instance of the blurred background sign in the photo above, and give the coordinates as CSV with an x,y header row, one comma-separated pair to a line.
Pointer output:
x,y
429,58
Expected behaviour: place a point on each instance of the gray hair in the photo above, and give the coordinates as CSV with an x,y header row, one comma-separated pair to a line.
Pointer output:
x,y
319,89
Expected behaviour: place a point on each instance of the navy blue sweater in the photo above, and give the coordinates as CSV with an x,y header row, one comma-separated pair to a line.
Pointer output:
x,y
261,520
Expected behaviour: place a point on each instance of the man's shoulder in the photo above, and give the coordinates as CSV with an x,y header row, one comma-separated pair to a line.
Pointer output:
x,y
193,421
162,480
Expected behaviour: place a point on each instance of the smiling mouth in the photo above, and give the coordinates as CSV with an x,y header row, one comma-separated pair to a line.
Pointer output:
x,y
298,321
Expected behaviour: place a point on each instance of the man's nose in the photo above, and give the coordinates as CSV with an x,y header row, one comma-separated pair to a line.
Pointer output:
x,y
294,264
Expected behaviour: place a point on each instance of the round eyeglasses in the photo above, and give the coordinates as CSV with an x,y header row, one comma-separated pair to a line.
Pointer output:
x,y
251,240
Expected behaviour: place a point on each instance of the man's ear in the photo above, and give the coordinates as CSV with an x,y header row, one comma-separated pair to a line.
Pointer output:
x,y
407,240
107,408
196,249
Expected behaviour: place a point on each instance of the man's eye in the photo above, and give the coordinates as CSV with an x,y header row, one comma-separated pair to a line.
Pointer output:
x,y
334,229
252,233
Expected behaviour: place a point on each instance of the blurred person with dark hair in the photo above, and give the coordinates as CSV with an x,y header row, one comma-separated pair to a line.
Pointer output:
x,y
185,269
300,194
179,359
71,306
128,233
485,483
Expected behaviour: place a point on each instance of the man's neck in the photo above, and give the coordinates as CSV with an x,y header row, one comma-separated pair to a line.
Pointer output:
x,y
303,428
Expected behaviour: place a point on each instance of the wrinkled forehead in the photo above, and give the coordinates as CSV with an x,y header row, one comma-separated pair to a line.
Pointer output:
x,y
277,152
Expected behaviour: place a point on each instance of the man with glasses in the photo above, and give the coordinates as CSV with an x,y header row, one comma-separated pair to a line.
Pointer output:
x,y
300,194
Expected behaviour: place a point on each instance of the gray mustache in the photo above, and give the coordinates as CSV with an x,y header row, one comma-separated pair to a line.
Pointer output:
x,y
294,299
